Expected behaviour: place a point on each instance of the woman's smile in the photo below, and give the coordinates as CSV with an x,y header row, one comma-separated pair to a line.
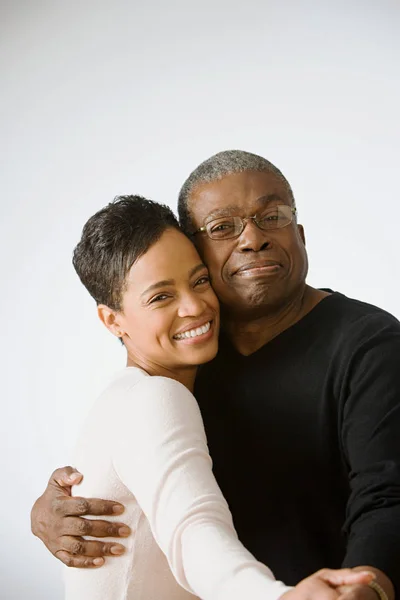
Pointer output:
x,y
197,334
170,314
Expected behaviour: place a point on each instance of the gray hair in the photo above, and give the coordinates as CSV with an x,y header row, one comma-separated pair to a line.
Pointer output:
x,y
215,168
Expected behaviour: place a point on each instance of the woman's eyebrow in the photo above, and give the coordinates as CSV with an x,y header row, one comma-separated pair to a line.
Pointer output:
x,y
196,269
166,282
157,285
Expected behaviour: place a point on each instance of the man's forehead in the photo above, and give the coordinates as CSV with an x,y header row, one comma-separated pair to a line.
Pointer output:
x,y
218,206
219,209
237,187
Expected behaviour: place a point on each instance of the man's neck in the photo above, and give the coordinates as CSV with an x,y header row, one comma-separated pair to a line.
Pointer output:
x,y
248,333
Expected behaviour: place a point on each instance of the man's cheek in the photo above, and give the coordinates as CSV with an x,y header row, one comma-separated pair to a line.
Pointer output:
x,y
218,279
221,287
213,267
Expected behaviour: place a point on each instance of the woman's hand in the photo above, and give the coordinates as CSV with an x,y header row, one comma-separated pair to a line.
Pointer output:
x,y
329,584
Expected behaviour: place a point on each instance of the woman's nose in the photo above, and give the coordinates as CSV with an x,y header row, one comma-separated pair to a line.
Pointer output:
x,y
191,305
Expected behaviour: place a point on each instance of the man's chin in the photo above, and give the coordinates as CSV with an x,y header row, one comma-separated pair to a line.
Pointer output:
x,y
251,299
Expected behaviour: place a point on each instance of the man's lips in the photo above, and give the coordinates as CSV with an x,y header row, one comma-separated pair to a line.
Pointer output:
x,y
260,266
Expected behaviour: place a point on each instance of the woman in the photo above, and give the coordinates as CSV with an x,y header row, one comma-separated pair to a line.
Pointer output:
x,y
153,292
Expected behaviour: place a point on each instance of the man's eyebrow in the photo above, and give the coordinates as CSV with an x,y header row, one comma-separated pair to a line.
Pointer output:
x,y
269,198
233,209
222,212
157,285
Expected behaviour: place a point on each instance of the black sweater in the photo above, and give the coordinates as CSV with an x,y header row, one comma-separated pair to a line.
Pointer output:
x,y
305,440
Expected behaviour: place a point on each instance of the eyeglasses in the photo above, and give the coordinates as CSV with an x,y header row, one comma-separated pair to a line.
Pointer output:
x,y
226,228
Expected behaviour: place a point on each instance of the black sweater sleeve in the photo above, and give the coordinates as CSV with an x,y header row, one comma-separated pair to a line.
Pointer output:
x,y
371,445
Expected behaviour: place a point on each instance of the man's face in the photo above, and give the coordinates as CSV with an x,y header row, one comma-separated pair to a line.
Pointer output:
x,y
259,269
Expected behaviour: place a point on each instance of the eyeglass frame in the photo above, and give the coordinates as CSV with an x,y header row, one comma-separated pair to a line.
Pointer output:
x,y
202,229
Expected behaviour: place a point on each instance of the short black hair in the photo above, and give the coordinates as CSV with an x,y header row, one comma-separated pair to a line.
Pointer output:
x,y
113,239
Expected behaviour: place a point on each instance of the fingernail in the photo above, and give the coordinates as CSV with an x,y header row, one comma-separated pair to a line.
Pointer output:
x,y
124,531
118,509
117,550
74,476
98,562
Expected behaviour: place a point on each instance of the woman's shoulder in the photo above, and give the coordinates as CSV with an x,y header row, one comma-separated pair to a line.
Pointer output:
x,y
134,384
122,380
153,405
157,385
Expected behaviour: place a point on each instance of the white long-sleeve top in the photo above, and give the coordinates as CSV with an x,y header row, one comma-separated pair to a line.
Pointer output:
x,y
144,445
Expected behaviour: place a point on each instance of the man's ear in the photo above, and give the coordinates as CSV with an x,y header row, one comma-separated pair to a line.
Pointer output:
x,y
300,229
110,318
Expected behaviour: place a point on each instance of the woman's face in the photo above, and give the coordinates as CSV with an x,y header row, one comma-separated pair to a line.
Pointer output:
x,y
170,314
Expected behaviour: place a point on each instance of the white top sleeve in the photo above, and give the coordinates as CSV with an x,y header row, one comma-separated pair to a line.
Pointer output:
x,y
160,453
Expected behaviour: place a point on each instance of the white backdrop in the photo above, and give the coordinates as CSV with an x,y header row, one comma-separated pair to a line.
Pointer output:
x,y
101,98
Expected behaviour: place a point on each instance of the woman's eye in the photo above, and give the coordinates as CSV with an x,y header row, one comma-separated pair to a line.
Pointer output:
x,y
159,298
203,280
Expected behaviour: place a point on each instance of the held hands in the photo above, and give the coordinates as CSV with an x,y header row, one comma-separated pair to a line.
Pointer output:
x,y
57,519
329,584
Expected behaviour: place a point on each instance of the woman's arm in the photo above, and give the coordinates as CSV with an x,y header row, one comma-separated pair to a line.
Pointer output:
x,y
161,455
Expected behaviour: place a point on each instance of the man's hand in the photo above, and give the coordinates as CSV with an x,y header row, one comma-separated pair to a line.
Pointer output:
x,y
56,519
328,584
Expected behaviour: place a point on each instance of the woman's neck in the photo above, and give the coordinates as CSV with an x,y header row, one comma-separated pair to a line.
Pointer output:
x,y
185,375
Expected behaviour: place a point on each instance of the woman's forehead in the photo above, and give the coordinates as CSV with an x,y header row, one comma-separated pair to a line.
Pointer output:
x,y
172,256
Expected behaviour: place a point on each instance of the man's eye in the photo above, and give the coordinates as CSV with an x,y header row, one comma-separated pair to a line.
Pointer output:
x,y
221,227
273,215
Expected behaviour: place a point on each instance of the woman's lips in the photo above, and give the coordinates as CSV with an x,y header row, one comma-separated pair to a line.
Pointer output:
x,y
199,338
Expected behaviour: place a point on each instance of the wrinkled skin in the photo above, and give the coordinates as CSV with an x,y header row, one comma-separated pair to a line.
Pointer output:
x,y
58,520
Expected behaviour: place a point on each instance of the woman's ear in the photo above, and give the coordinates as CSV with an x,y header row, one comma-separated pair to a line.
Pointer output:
x,y
109,318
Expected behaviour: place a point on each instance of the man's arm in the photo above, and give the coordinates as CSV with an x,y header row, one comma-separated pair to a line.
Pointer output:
x,y
51,510
48,519
164,457
371,446
57,519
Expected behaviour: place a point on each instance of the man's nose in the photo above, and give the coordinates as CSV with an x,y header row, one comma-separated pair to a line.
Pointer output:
x,y
191,304
252,238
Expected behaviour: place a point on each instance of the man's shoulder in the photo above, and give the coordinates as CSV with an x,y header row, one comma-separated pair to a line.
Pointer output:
x,y
351,312
341,326
337,324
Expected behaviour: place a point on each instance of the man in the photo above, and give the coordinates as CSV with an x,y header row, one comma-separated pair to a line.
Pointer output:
x,y
301,405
